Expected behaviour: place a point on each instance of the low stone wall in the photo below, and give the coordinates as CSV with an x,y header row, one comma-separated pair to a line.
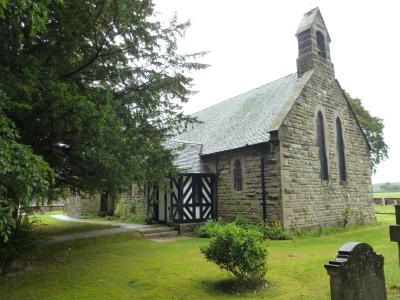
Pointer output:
x,y
84,204
80,205
47,208
387,201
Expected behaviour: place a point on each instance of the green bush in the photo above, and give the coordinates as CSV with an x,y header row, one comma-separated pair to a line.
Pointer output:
x,y
111,218
208,229
270,231
125,209
273,231
241,251
20,240
240,221
137,218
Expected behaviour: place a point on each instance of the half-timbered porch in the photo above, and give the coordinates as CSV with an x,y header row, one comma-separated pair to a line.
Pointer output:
x,y
188,198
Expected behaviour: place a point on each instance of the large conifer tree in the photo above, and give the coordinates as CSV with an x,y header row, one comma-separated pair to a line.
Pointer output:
x,y
94,87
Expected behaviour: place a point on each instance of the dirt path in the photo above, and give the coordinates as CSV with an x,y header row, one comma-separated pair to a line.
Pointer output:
x,y
120,228
104,222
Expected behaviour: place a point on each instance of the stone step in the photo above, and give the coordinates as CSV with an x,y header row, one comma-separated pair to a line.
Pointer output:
x,y
155,226
160,229
161,234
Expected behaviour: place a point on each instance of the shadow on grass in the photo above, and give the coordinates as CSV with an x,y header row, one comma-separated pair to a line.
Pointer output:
x,y
232,286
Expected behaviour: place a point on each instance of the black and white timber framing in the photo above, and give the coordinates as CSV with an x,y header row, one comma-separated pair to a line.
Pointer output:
x,y
187,198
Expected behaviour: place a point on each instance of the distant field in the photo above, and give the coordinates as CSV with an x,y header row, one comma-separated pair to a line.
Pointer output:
x,y
387,195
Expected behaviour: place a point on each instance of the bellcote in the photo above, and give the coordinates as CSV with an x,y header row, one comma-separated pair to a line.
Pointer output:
x,y
313,43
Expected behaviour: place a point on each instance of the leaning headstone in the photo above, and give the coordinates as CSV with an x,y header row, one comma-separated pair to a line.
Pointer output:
x,y
394,202
394,230
383,201
357,273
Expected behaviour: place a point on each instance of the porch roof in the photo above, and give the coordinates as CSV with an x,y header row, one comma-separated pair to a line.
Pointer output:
x,y
187,156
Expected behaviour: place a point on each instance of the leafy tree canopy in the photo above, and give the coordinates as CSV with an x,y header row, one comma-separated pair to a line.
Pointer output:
x,y
373,129
390,187
94,87
23,176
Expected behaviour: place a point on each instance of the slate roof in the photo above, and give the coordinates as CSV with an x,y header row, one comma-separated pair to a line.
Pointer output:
x,y
187,156
240,121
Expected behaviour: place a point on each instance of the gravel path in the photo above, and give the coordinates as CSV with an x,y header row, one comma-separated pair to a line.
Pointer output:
x,y
104,222
120,228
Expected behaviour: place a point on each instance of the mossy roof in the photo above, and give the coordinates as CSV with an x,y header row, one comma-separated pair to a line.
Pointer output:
x,y
246,119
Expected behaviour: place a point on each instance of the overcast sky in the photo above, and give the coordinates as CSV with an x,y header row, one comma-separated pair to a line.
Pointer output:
x,y
252,43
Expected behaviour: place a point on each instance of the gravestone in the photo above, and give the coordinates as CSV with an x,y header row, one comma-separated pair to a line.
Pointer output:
x,y
394,230
383,201
357,273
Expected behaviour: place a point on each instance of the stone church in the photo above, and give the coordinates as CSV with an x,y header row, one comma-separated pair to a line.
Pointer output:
x,y
290,152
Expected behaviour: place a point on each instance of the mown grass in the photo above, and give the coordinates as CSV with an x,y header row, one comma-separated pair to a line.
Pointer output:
x,y
387,195
128,267
46,226
384,209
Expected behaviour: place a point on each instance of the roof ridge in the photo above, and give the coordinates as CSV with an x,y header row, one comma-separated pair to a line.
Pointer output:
x,y
231,98
185,142
312,10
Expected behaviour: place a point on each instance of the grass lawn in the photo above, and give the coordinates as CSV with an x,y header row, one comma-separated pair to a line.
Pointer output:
x,y
128,267
387,195
384,209
47,226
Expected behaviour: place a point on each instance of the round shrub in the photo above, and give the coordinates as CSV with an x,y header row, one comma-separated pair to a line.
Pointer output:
x,y
273,231
270,230
240,251
208,229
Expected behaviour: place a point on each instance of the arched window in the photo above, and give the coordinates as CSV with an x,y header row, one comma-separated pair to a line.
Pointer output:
x,y
237,176
340,151
323,174
321,44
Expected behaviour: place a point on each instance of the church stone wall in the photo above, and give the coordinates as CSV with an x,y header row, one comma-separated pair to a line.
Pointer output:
x,y
307,201
138,197
81,205
84,204
248,202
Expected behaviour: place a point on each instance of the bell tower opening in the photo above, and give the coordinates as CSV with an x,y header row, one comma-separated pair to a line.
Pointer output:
x,y
313,42
321,44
